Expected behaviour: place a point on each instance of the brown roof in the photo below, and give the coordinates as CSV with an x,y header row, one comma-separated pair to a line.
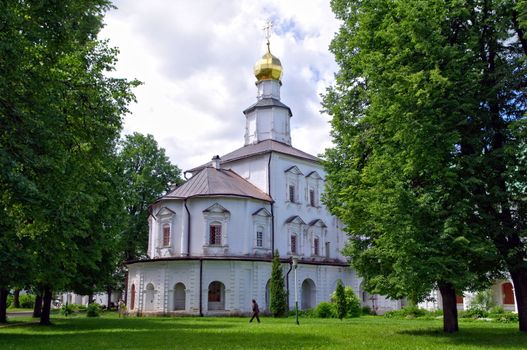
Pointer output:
x,y
259,148
211,182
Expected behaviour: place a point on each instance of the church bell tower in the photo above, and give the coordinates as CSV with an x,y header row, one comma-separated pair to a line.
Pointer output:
x,y
268,118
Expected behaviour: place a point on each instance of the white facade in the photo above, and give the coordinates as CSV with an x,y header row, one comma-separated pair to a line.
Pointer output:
x,y
211,240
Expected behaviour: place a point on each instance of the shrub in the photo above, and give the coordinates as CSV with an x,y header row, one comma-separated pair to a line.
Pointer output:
x,y
9,300
474,312
506,317
353,305
67,309
93,310
496,311
366,310
278,304
340,301
325,310
407,312
27,301
483,300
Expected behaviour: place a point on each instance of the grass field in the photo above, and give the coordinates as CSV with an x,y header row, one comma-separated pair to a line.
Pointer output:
x,y
110,332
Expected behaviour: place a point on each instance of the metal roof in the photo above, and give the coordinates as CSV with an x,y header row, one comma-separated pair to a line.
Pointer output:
x,y
267,103
211,182
259,148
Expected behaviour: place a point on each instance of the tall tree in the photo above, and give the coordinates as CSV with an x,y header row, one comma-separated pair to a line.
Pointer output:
x,y
413,171
147,174
61,115
278,303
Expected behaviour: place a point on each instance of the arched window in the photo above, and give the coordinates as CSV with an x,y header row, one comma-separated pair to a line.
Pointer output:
x,y
215,233
132,297
216,297
179,296
166,235
507,293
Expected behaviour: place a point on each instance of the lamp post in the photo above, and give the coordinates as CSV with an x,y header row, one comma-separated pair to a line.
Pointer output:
x,y
295,265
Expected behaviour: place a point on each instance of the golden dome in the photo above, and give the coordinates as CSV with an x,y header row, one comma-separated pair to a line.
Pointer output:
x,y
268,67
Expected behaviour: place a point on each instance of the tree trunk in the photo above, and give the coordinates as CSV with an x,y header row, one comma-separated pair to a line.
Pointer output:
x,y
16,298
519,280
3,305
90,298
109,302
448,294
37,309
46,307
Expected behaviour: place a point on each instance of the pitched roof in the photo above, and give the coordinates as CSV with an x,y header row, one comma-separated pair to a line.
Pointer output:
x,y
211,182
259,148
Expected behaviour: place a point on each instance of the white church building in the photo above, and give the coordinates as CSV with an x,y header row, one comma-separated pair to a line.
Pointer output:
x,y
211,239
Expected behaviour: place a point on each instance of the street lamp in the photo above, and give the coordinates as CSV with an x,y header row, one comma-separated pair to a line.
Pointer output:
x,y
295,265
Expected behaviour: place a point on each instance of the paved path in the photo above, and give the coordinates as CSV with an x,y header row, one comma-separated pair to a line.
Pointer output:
x,y
20,313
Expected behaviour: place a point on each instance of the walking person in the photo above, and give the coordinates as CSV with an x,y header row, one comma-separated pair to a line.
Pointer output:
x,y
256,311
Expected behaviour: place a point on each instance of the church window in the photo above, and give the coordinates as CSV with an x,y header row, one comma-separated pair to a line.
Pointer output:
x,y
312,201
166,235
215,233
293,244
259,238
328,250
132,297
215,292
292,193
316,246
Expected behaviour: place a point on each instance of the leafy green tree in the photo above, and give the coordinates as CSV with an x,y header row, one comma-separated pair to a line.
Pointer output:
x,y
147,174
423,107
278,303
340,301
61,115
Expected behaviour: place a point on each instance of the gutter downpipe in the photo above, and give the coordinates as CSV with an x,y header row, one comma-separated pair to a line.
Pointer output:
x,y
272,203
188,226
287,280
200,287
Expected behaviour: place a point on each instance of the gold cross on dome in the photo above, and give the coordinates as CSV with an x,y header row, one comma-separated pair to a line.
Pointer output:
x,y
267,28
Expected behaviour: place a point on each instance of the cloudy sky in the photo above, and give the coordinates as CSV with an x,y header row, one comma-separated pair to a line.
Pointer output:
x,y
195,59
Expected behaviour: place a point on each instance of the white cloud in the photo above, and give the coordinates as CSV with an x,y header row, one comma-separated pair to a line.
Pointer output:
x,y
195,59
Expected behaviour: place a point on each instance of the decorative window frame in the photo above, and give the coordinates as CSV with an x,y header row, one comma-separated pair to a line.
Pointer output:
x,y
295,226
292,178
314,182
262,219
216,214
317,229
164,217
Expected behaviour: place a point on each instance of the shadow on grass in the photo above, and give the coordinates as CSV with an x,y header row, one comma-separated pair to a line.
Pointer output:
x,y
485,337
148,333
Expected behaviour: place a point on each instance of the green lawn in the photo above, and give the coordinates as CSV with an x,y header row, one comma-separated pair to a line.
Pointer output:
x,y
109,332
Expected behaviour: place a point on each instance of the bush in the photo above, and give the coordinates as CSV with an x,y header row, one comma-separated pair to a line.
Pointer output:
x,y
93,310
407,312
325,310
9,300
506,317
483,300
353,305
27,301
474,312
366,310
496,311
67,309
